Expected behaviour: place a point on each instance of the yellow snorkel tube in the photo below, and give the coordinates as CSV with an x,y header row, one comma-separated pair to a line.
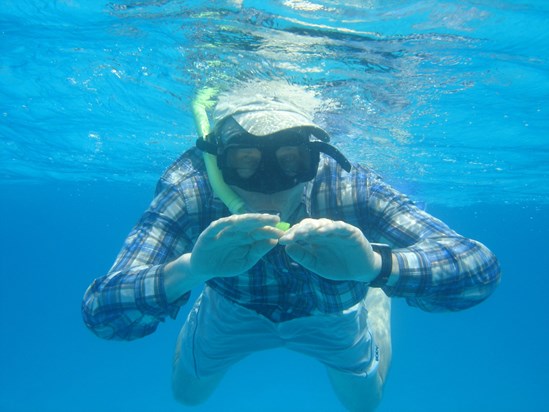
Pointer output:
x,y
203,101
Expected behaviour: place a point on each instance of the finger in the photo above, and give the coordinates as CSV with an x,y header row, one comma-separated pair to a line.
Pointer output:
x,y
319,235
240,223
266,232
334,227
309,225
301,231
249,234
260,248
257,218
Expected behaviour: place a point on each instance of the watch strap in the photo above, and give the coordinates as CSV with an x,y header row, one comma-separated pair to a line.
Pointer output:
x,y
386,264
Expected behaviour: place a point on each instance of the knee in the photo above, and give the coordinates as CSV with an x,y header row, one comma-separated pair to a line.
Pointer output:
x,y
191,391
357,393
186,397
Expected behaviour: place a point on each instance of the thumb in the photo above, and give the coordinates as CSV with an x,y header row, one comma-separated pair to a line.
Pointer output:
x,y
302,255
260,248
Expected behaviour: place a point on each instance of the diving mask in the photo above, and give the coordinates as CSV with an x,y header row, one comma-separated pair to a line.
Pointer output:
x,y
271,163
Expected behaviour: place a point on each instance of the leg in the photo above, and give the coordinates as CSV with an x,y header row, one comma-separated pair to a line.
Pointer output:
x,y
359,393
378,305
356,393
216,335
188,388
191,390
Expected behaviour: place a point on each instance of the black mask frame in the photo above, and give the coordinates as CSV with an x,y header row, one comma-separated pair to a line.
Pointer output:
x,y
270,176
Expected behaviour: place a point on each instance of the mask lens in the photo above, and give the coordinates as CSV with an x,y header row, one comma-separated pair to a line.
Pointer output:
x,y
244,160
292,160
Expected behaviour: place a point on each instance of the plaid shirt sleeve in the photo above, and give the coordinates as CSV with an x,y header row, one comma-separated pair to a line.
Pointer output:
x,y
440,270
130,301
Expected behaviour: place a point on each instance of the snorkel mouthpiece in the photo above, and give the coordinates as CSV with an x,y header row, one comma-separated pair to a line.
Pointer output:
x,y
284,226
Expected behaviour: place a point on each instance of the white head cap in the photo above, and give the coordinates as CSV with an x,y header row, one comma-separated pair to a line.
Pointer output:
x,y
264,108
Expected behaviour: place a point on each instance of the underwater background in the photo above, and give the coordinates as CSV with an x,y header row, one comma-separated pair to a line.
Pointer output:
x,y
446,99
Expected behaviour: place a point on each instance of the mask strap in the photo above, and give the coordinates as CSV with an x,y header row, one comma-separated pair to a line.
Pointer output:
x,y
334,153
206,145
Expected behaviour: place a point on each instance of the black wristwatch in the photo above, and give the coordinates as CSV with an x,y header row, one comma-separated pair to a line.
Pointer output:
x,y
386,264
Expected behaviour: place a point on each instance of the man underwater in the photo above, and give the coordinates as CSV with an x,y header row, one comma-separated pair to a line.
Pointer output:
x,y
321,287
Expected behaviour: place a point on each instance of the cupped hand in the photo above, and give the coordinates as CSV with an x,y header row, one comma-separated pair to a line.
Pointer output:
x,y
232,245
332,249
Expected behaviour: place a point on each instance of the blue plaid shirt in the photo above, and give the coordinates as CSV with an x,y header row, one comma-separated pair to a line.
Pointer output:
x,y
439,269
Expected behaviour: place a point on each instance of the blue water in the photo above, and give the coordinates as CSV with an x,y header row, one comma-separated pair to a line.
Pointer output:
x,y
448,100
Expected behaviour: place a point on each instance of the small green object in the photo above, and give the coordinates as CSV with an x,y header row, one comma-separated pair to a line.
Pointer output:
x,y
283,226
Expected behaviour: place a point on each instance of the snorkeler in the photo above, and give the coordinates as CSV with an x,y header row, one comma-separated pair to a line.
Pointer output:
x,y
321,287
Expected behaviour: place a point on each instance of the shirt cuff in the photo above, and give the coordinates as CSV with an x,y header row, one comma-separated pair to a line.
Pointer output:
x,y
150,294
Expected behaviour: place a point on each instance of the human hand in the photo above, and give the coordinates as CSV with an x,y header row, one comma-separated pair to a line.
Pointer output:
x,y
334,250
232,245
